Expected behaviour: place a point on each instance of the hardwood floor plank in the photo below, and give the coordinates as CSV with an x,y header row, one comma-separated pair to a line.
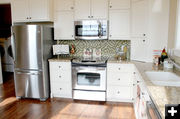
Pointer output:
x,y
11,108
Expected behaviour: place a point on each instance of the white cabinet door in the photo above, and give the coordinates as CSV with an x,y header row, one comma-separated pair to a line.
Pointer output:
x,y
31,10
82,9
139,49
38,10
139,18
64,5
119,4
20,10
119,23
64,25
99,9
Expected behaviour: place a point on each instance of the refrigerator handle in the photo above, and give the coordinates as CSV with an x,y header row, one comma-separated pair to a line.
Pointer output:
x,y
13,46
27,73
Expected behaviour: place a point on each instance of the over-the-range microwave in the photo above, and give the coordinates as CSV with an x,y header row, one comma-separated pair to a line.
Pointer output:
x,y
91,29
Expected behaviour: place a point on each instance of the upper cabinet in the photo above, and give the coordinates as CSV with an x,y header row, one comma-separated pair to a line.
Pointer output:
x,y
64,19
119,4
139,18
64,5
32,10
119,25
119,20
91,9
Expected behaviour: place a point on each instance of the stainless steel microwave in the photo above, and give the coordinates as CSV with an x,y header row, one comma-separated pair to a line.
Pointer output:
x,y
91,29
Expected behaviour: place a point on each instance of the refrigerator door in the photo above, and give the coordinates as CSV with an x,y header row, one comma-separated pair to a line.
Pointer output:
x,y
28,84
27,47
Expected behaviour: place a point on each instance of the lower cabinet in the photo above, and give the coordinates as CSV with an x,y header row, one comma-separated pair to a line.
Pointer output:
x,y
60,79
120,82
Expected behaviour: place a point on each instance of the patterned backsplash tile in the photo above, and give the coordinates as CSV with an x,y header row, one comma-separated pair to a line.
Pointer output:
x,y
108,47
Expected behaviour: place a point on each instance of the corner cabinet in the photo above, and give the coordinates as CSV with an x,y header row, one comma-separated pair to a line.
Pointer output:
x,y
32,10
60,79
120,82
91,9
64,19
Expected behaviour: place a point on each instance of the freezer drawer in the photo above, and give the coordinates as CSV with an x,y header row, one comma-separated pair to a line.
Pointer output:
x,y
31,84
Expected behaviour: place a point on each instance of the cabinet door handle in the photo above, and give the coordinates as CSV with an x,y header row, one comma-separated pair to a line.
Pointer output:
x,y
27,17
60,88
118,92
59,66
119,79
119,68
89,17
72,8
110,35
144,40
144,34
72,35
110,6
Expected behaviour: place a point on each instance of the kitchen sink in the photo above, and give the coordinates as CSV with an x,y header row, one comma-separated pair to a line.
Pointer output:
x,y
163,78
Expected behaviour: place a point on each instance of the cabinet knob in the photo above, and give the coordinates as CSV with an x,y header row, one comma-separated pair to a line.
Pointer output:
x,y
110,35
27,17
144,40
59,76
133,84
110,6
118,92
132,98
59,66
72,35
137,81
89,17
72,8
60,88
119,79
119,68
144,34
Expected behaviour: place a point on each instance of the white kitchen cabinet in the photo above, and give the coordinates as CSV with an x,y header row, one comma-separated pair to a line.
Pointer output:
x,y
139,19
119,24
64,5
31,10
60,79
119,4
91,9
139,49
64,25
120,82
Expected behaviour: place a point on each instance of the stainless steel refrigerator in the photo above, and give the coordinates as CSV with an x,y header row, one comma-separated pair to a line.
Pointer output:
x,y
31,46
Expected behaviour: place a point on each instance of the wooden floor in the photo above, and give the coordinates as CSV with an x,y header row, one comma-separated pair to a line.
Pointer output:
x,y
11,108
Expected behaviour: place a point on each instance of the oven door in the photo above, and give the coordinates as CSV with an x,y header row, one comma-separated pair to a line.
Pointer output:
x,y
89,78
91,29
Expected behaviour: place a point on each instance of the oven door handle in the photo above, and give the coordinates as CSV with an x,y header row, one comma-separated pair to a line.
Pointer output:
x,y
86,71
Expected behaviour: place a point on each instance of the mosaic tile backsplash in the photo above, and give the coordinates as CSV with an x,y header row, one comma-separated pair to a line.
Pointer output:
x,y
108,47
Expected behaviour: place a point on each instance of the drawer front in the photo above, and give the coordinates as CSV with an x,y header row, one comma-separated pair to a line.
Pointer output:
x,y
119,92
60,66
61,77
60,71
125,79
115,67
61,90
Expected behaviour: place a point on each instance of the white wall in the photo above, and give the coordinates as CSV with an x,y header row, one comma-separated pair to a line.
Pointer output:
x,y
4,1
